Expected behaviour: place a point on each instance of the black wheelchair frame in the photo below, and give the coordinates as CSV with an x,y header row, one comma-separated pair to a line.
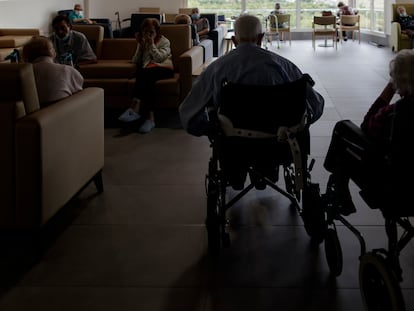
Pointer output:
x,y
380,271
280,125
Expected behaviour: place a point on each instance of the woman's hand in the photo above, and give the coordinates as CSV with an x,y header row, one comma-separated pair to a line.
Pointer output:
x,y
149,37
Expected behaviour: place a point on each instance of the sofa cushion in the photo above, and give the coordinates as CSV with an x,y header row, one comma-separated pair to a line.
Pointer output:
x,y
112,86
119,48
109,68
169,86
13,41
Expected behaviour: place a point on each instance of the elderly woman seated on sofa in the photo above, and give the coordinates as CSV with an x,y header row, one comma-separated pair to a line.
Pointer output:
x,y
154,62
53,81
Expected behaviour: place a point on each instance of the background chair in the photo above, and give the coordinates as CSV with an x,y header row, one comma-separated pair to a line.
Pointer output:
x,y
277,25
399,40
94,34
104,22
349,23
149,10
324,26
138,18
49,154
185,11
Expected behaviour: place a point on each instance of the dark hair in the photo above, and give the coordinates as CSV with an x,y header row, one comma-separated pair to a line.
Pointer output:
x,y
59,18
341,4
151,22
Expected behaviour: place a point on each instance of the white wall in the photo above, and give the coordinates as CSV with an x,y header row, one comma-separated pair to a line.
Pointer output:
x,y
107,8
31,13
39,13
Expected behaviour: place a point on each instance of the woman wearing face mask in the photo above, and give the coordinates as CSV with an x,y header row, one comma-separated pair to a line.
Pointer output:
x,y
202,24
76,16
154,62
72,47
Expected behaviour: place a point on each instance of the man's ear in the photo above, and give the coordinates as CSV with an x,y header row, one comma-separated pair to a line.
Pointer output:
x,y
234,40
260,38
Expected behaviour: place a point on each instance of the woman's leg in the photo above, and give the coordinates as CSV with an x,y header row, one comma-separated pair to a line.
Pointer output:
x,y
145,91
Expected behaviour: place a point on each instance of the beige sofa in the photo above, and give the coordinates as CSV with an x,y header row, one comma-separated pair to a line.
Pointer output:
x,y
49,154
14,38
398,40
115,73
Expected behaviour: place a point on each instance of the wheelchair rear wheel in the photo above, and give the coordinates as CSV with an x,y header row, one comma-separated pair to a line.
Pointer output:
x,y
215,224
313,213
379,287
333,252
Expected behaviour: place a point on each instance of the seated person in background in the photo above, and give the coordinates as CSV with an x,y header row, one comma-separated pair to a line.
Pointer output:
x,y
76,16
202,24
249,64
154,62
406,22
344,10
186,19
277,9
377,124
53,81
71,46
182,19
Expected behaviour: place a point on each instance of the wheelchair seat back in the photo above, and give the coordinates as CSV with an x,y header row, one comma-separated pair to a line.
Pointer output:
x,y
264,108
256,113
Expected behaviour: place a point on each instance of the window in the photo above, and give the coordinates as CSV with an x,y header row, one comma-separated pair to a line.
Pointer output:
x,y
302,11
372,14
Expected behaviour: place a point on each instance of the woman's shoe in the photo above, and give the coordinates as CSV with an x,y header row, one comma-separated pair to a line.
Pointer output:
x,y
129,115
146,127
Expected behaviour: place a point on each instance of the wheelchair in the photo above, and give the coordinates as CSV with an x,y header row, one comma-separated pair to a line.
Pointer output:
x,y
252,136
384,176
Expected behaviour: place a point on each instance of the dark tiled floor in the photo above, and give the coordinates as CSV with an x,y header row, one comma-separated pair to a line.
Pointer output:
x,y
141,245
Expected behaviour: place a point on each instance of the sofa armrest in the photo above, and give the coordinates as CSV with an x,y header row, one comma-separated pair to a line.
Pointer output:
x,y
59,149
217,35
395,36
19,32
189,61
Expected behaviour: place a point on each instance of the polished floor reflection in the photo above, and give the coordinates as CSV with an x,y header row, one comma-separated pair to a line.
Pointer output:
x,y
141,245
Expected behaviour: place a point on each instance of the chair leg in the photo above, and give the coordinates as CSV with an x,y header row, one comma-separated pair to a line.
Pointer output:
x,y
98,181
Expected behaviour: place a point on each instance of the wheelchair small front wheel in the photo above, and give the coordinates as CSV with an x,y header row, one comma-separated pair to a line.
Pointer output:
x,y
333,252
313,213
379,287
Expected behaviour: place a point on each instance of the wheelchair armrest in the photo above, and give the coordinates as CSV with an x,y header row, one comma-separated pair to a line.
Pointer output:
x,y
308,79
350,142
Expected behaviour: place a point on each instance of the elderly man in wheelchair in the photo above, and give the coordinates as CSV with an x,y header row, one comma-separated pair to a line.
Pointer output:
x,y
378,158
252,136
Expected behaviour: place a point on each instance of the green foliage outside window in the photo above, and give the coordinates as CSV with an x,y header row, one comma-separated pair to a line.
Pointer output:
x,y
308,9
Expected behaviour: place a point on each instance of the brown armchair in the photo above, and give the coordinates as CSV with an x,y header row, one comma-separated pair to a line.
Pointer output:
x,y
399,40
49,154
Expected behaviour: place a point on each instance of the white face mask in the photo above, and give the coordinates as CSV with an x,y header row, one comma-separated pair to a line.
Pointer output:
x,y
65,38
80,13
